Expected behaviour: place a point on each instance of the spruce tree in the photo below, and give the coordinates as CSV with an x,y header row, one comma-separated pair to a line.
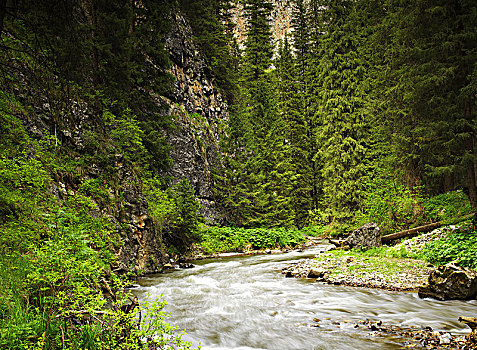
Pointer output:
x,y
432,91
294,166
340,109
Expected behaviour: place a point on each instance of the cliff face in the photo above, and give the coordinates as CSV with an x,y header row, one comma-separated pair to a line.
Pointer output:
x,y
280,21
200,113
122,201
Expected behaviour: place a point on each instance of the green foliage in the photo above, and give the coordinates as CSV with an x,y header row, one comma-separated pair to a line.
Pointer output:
x,y
128,135
459,246
216,239
56,247
175,211
447,206
392,205
456,245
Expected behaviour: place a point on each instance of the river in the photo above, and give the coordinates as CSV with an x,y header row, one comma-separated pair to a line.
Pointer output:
x,y
244,303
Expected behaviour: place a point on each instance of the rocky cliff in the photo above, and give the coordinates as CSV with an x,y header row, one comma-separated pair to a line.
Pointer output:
x,y
280,21
200,113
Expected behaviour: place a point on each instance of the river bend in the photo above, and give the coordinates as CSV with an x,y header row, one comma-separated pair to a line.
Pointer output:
x,y
243,303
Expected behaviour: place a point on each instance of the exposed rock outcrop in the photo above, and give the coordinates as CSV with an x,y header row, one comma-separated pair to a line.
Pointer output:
x,y
450,282
200,113
365,237
280,21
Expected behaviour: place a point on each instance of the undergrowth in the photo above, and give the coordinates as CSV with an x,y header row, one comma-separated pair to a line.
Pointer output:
x,y
456,245
232,239
56,287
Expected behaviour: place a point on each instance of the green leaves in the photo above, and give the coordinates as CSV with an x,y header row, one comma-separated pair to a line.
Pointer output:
x,y
458,246
233,239
175,211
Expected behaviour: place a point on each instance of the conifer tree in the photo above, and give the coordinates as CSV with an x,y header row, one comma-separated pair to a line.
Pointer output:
x,y
294,167
433,86
341,133
258,178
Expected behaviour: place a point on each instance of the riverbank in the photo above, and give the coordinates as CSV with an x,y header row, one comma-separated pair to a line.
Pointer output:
x,y
354,269
196,252
410,337
384,269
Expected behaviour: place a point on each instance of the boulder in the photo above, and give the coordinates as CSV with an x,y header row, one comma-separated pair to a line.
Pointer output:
x,y
316,272
365,237
450,282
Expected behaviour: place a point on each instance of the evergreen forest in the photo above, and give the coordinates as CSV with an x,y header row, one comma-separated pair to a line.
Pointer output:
x,y
365,111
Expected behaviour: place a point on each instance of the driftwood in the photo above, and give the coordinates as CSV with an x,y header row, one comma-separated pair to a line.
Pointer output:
x,y
421,229
472,323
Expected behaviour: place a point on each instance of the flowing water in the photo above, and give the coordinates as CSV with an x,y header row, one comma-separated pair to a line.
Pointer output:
x,y
246,303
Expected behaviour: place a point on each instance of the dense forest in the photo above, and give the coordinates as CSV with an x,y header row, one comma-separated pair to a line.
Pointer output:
x,y
360,98
364,112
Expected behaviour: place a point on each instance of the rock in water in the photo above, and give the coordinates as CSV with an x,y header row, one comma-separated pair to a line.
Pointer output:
x,y
316,272
365,237
450,282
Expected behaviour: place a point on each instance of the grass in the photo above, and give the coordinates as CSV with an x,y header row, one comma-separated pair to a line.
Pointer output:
x,y
373,270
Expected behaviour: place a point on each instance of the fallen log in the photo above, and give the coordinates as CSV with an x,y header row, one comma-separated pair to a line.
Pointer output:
x,y
421,229
411,232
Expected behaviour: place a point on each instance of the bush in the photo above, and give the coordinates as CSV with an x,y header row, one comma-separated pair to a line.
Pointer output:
x,y
232,239
175,211
56,290
447,206
394,207
391,205
459,246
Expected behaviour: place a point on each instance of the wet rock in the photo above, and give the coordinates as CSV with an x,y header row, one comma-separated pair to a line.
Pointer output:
x,y
450,282
365,237
185,265
411,337
444,338
316,272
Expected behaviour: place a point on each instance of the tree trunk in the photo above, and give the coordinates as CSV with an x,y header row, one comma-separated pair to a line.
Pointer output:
x,y
410,232
3,11
421,229
471,185
471,176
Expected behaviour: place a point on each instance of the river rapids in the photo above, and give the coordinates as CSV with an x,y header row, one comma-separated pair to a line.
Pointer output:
x,y
243,303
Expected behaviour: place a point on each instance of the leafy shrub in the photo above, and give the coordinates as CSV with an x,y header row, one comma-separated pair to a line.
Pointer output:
x,y
447,206
394,207
233,239
128,135
55,288
390,204
175,211
458,246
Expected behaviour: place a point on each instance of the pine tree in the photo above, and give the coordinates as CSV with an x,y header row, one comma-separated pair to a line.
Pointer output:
x,y
432,89
340,109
